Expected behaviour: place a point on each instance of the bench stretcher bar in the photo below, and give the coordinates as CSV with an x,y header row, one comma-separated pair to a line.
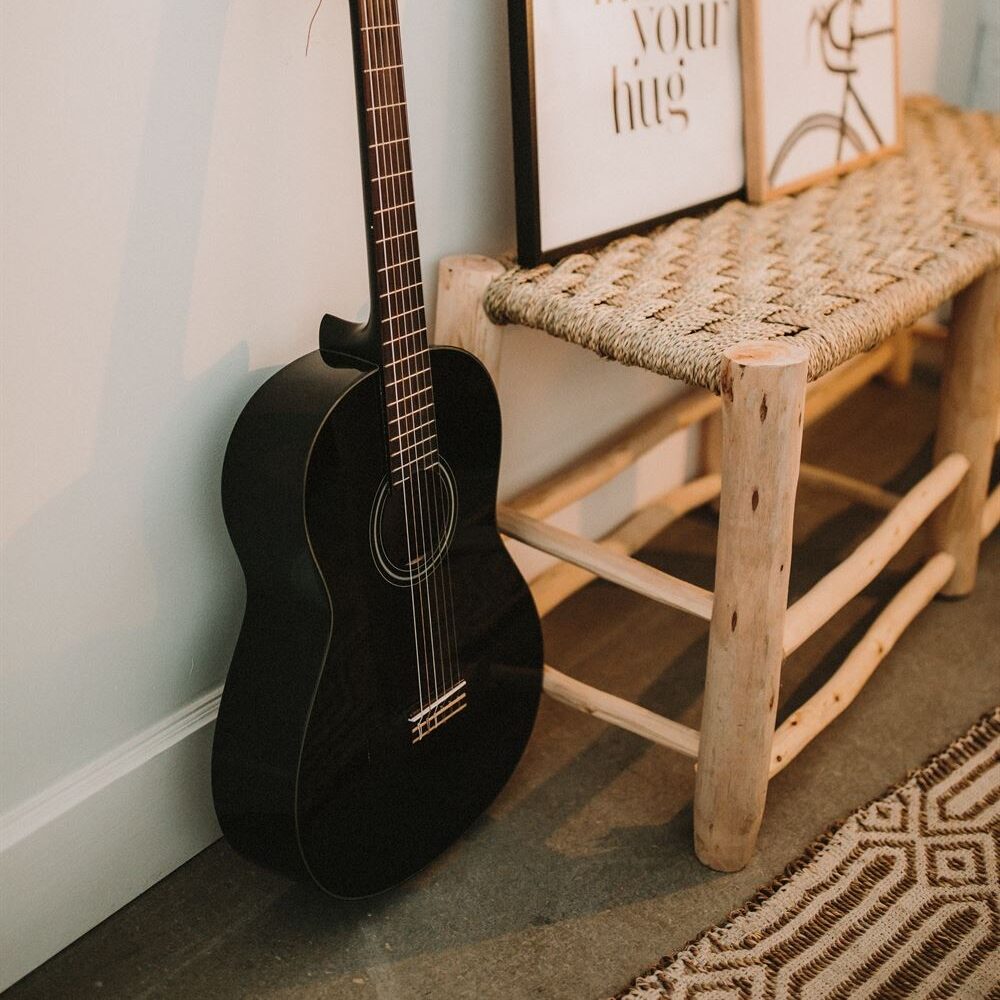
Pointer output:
x,y
850,577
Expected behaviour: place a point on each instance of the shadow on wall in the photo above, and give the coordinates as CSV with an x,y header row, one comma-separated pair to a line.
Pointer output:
x,y
138,541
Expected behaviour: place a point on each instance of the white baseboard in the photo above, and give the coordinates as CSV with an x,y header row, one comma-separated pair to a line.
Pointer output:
x,y
86,846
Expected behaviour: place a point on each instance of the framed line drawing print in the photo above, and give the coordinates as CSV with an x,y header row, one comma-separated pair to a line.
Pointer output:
x,y
820,89
626,112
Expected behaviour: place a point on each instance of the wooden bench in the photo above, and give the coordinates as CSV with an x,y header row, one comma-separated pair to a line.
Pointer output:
x,y
774,314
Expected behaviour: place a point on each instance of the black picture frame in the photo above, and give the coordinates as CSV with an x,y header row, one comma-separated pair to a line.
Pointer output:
x,y
530,251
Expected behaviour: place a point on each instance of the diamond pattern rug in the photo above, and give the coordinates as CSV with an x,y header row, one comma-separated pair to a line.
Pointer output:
x,y
900,900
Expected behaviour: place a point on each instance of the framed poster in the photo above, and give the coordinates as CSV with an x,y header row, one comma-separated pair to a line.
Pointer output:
x,y
820,88
626,112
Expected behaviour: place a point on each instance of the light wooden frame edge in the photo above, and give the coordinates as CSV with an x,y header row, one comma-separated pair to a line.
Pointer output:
x,y
758,190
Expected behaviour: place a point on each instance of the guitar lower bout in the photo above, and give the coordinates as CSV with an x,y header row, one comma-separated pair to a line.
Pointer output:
x,y
388,672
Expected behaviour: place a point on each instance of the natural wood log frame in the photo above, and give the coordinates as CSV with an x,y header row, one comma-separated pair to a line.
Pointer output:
x,y
599,465
764,389
930,330
805,724
460,320
900,371
563,580
991,514
834,387
613,455
728,791
967,423
560,582
810,612
855,489
619,712
620,569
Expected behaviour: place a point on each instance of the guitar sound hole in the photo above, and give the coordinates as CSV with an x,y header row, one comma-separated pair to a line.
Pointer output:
x,y
412,525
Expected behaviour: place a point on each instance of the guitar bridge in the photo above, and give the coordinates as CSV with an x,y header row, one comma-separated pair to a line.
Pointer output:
x,y
438,712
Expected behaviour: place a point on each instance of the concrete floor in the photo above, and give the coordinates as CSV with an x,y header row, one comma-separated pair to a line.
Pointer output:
x,y
582,874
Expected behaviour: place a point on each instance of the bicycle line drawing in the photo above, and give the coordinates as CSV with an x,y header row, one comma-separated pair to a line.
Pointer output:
x,y
839,51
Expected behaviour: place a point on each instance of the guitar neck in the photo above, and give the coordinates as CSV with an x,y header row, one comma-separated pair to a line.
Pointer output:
x,y
394,250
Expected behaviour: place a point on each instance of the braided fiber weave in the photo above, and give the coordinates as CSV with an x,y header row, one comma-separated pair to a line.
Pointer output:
x,y
839,267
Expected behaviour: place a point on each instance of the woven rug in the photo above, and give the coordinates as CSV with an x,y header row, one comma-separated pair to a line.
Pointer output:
x,y
900,900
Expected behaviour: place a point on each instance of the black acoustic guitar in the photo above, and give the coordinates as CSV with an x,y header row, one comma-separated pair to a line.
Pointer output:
x,y
389,666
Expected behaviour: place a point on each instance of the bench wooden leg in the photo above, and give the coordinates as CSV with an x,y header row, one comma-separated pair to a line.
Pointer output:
x,y
900,372
460,320
763,404
970,398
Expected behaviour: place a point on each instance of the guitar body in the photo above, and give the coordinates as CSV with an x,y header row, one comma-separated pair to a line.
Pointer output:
x,y
319,769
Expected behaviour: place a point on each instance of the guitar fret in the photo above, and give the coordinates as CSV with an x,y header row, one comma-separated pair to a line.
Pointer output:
x,y
378,27
393,208
401,468
389,177
402,399
409,312
388,142
402,263
373,108
405,288
410,355
411,414
408,378
378,69
417,444
397,236
400,338
403,434
416,458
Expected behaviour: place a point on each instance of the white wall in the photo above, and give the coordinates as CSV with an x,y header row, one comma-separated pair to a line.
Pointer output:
x,y
181,204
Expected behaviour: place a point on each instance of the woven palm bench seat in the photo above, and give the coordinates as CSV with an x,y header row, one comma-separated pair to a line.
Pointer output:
x,y
772,314
838,268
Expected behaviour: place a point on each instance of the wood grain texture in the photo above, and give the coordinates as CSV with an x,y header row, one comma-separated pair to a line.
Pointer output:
x,y
851,576
619,712
559,582
460,321
807,722
611,566
616,453
991,513
967,423
849,486
762,412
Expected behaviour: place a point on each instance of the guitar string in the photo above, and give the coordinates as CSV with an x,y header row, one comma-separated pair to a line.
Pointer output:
x,y
392,221
438,507
438,512
365,26
411,468
402,389
430,512
417,369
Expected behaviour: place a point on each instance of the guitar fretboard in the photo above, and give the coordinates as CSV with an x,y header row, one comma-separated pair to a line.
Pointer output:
x,y
409,394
